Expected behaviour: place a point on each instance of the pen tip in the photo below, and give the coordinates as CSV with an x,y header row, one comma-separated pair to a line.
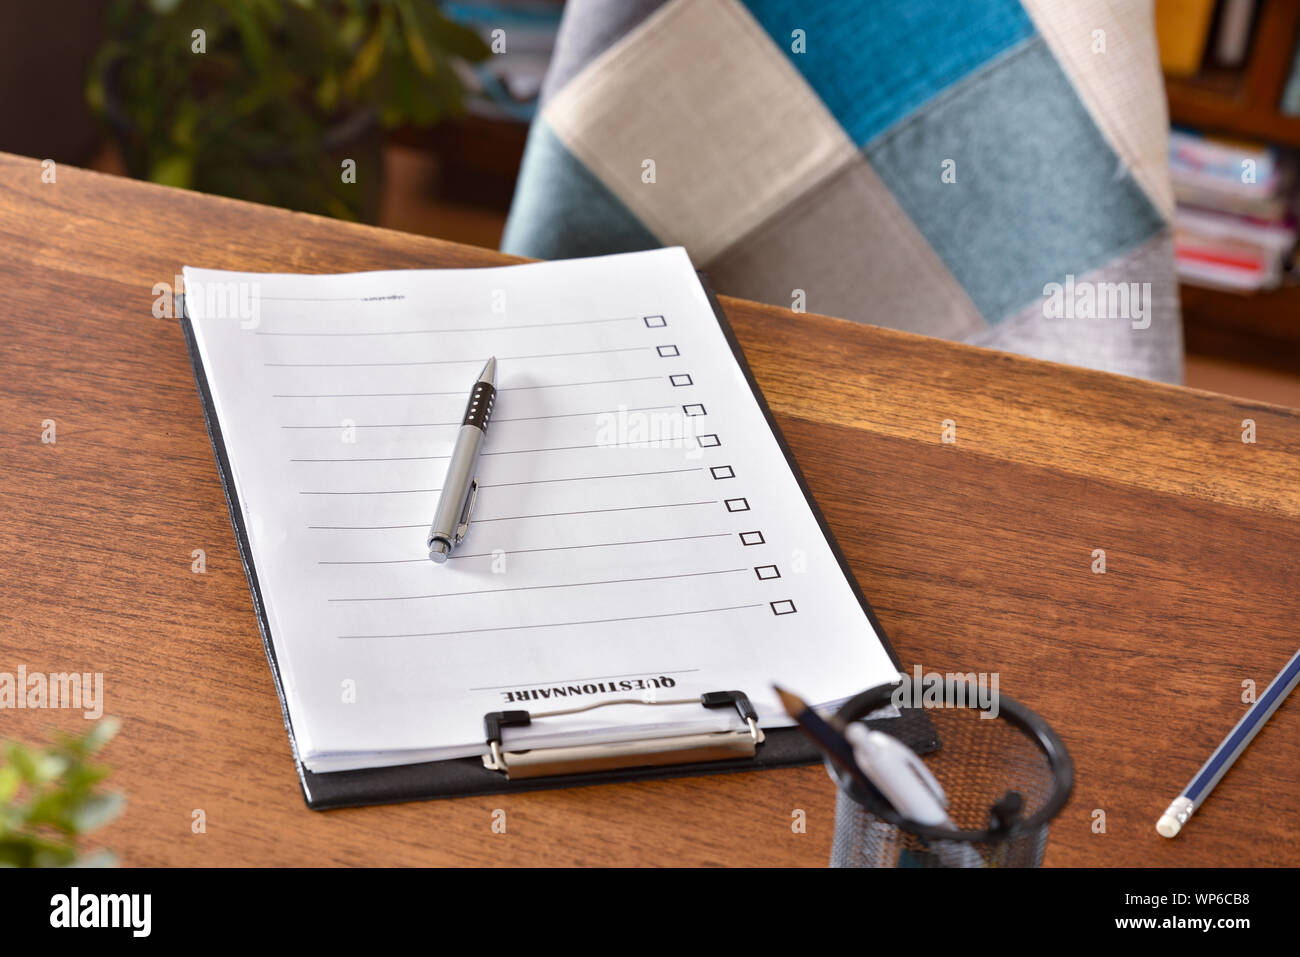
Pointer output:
x,y
489,373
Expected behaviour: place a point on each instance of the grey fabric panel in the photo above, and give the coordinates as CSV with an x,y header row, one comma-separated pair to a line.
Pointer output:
x,y
1109,344
588,29
855,254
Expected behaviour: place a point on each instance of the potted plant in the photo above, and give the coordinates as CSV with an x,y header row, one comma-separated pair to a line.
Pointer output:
x,y
50,798
266,100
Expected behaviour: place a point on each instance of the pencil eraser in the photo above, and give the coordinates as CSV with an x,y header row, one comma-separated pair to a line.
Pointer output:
x,y
1168,826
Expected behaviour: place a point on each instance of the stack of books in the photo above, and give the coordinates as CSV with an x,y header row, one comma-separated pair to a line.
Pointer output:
x,y
1235,226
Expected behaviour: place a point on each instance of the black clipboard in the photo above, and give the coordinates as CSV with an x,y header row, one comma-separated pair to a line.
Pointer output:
x,y
461,777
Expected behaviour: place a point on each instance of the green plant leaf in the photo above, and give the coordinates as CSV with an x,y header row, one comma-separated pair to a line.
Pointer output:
x,y
48,799
102,733
10,780
174,170
100,858
96,811
366,64
415,41
22,759
327,92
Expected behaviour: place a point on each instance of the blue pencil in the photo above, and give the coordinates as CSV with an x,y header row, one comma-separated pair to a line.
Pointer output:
x,y
1172,821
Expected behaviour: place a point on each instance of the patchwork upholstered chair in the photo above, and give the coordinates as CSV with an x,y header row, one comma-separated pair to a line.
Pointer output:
x,y
987,170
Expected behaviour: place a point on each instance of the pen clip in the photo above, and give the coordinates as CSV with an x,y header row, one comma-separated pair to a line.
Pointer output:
x,y
462,527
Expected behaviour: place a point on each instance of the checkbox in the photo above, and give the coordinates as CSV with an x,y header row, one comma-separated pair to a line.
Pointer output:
x,y
767,572
709,441
783,607
681,378
655,322
668,351
737,504
722,471
752,538
694,409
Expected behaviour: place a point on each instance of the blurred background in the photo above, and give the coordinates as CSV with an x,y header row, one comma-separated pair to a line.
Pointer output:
x,y
425,92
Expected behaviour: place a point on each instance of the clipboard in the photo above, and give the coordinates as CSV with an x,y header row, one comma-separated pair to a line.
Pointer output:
x,y
718,753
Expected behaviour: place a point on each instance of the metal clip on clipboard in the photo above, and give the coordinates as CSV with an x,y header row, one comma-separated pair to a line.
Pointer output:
x,y
636,752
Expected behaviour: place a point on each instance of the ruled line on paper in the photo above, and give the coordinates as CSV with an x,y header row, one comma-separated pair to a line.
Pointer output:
x,y
592,478
531,418
572,478
458,392
554,448
471,329
449,362
567,448
512,518
528,551
560,624
502,591
593,511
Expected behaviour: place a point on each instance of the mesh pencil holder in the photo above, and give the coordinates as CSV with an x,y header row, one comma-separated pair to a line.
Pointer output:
x,y
1005,778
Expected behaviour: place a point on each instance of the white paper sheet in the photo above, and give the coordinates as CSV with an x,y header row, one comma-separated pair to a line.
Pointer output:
x,y
635,509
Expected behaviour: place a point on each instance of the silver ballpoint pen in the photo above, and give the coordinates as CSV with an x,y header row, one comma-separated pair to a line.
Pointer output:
x,y
460,487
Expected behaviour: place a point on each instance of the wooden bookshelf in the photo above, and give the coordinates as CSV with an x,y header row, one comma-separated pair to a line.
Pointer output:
x,y
1246,103
1261,328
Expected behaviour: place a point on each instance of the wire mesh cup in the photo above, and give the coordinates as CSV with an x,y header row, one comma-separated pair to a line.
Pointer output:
x,y
1003,770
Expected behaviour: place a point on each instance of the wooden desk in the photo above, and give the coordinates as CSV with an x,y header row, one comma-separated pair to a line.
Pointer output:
x,y
977,557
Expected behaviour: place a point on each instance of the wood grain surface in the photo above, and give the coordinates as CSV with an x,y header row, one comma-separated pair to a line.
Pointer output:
x,y
976,555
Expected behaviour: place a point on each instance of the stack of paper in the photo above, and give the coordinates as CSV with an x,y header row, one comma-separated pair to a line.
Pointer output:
x,y
638,533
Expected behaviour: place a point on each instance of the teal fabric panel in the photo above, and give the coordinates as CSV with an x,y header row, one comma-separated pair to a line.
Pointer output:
x,y
562,211
1038,193
873,62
